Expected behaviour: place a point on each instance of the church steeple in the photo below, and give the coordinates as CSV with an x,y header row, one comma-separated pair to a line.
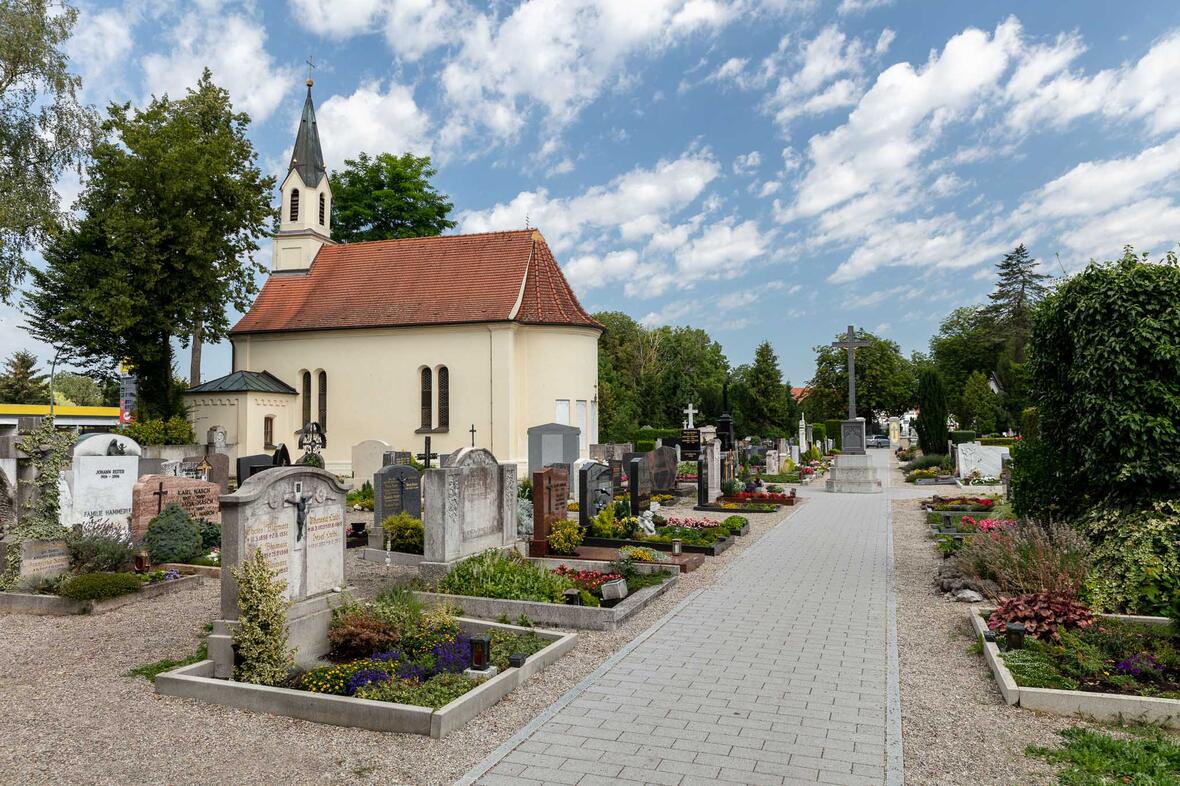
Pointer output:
x,y
307,158
305,219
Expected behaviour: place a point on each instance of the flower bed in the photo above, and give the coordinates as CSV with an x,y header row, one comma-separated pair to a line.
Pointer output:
x,y
379,704
1119,668
737,507
96,600
969,504
761,496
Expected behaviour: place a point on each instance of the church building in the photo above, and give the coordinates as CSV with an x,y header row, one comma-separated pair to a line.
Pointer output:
x,y
397,340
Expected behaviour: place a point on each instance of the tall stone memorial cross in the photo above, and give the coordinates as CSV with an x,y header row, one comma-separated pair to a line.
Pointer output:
x,y
690,411
851,343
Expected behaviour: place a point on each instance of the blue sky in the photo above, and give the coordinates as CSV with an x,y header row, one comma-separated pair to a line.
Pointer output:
x,y
764,170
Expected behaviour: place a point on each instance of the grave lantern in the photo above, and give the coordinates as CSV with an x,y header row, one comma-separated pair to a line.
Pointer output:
x,y
517,659
1014,635
481,652
677,546
143,560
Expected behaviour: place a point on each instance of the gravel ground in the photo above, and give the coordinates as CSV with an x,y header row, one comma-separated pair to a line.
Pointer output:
x,y
956,729
70,716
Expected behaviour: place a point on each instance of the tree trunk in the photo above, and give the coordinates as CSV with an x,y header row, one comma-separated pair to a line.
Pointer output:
x,y
194,372
155,391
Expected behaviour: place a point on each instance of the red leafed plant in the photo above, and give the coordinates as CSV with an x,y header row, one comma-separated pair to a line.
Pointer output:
x,y
586,579
1042,613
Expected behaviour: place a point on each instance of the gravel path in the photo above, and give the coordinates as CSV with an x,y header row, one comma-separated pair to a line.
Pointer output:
x,y
70,716
956,730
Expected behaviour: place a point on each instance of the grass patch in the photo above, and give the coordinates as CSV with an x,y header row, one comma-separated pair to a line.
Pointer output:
x,y
1092,758
149,671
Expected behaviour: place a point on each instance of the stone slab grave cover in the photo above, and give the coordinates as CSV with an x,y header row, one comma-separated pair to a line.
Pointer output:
x,y
987,459
367,458
595,491
551,491
295,516
102,478
639,474
469,506
552,443
45,558
152,493
397,488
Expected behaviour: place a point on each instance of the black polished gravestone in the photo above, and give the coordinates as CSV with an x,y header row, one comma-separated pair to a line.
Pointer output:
x,y
249,466
639,480
690,444
661,466
702,482
595,492
396,489
402,457
616,476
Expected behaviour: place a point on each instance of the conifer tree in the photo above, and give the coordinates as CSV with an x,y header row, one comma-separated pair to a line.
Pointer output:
x,y
20,383
766,404
1017,291
932,412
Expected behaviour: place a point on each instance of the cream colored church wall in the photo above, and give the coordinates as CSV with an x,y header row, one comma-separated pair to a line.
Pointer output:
x,y
243,417
207,410
374,381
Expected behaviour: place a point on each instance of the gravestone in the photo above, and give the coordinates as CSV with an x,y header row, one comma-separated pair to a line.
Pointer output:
x,y
782,446
702,482
102,477
690,444
152,493
988,460
44,558
611,452
295,516
551,491
713,460
894,432
249,466
852,437
367,458
640,485
810,435
469,506
403,457
772,462
663,470
617,474
215,438
397,488
218,469
803,441
7,505
576,478
595,491
552,443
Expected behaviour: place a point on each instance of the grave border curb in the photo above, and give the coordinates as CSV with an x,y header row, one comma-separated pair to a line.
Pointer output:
x,y
57,606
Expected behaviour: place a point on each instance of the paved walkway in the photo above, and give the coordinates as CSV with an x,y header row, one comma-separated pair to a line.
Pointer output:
x,y
783,672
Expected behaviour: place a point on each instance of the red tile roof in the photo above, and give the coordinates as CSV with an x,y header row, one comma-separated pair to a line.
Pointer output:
x,y
420,281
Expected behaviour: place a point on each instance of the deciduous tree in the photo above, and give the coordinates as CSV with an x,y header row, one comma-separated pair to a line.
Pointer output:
x,y
387,197
885,381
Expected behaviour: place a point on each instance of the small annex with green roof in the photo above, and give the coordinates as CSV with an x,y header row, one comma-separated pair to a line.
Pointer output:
x,y
252,407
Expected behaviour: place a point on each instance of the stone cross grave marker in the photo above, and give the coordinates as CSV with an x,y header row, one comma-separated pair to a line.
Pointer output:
x,y
689,411
397,488
426,455
852,431
551,491
102,478
152,493
595,491
468,506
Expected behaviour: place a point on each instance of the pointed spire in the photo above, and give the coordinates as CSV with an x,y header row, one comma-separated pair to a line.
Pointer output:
x,y
307,157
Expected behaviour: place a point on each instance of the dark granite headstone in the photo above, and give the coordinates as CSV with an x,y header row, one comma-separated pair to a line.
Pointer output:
x,y
595,492
396,488
702,482
663,470
553,443
218,469
639,475
551,492
402,457
249,466
690,444
852,436
616,476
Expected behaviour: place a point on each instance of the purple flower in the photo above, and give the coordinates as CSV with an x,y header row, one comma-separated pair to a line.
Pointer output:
x,y
171,574
412,671
1137,664
452,656
391,655
365,677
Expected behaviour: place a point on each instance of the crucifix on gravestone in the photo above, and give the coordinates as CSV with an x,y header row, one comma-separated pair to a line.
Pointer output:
x,y
472,430
690,412
425,456
159,494
851,343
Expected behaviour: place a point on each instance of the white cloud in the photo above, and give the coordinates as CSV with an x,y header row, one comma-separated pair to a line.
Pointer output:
x,y
411,27
769,188
99,48
860,6
562,167
1149,225
830,67
233,46
1149,89
884,41
748,163
722,249
372,120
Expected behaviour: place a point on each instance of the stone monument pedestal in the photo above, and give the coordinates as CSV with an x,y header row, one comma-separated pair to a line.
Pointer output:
x,y
853,474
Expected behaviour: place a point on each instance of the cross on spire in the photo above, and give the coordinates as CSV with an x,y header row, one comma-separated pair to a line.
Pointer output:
x,y
851,343
310,65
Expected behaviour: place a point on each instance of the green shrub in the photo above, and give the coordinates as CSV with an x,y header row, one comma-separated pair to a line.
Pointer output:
x,y
926,462
730,487
311,460
361,498
1039,486
734,524
832,430
504,575
99,546
404,533
99,586
210,535
1133,548
174,431
932,412
173,536
644,445
1028,558
959,437
565,536
819,432
438,691
260,639
653,434
1103,375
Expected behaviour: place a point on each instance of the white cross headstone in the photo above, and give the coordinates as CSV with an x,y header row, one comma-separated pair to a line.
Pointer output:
x,y
690,411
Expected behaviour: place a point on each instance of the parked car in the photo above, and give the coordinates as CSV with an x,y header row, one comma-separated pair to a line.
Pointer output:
x,y
877,441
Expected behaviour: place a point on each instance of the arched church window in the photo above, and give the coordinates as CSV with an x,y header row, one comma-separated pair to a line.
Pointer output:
x,y
426,398
323,205
306,399
444,397
268,432
295,204
323,419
